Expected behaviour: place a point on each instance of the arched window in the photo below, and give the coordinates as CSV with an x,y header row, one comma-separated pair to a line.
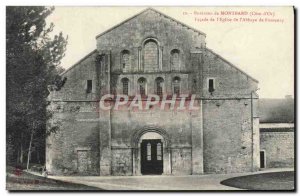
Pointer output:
x,y
175,59
142,86
125,60
176,85
151,55
159,82
125,83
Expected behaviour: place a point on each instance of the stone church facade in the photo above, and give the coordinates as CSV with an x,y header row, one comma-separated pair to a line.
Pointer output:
x,y
152,53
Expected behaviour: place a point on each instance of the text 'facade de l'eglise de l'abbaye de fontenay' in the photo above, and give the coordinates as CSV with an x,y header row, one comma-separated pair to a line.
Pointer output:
x,y
201,116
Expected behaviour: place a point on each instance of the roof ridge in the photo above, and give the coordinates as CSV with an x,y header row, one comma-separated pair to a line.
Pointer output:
x,y
79,61
231,64
139,13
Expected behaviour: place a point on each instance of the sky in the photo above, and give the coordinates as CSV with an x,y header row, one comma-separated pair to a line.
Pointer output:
x,y
264,50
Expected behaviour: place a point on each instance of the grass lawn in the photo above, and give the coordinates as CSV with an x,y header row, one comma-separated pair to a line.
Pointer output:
x,y
18,181
266,181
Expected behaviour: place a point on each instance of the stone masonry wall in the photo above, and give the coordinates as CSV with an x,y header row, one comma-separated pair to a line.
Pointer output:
x,y
177,125
77,76
150,24
227,136
79,131
279,148
229,81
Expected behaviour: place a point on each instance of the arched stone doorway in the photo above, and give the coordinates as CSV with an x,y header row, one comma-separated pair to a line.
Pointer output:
x,y
147,143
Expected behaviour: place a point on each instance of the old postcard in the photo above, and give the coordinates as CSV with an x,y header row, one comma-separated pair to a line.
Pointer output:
x,y
150,98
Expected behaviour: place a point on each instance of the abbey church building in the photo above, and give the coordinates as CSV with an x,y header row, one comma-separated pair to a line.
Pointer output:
x,y
153,54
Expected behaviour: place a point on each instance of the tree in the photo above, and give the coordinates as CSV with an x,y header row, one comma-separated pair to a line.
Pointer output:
x,y
33,62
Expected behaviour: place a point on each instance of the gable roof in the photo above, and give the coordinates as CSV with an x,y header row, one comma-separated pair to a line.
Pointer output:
x,y
276,110
78,62
150,9
166,16
232,65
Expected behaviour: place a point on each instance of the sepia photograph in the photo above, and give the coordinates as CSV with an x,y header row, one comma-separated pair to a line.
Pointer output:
x,y
150,98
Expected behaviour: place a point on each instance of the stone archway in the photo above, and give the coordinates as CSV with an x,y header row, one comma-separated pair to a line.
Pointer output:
x,y
150,133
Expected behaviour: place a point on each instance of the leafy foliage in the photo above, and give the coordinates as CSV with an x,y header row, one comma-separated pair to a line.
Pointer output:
x,y
33,62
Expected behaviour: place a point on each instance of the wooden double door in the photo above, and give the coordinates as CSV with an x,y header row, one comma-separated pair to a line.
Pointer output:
x,y
151,157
